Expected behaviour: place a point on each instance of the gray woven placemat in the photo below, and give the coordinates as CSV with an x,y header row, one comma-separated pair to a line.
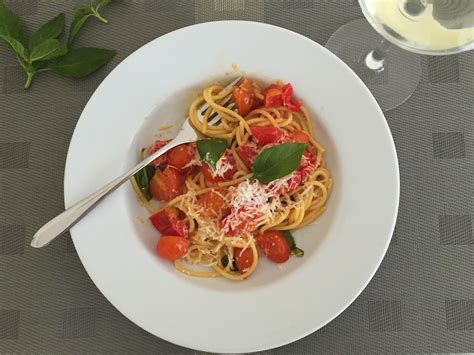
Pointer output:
x,y
420,300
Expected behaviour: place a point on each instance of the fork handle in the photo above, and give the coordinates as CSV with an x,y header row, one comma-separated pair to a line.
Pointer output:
x,y
64,221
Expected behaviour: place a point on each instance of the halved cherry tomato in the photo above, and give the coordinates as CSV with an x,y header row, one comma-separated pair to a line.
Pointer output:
x,y
182,155
274,246
273,96
287,94
168,222
172,247
247,152
296,137
243,259
307,165
214,203
155,146
166,184
269,88
243,96
226,175
257,103
266,135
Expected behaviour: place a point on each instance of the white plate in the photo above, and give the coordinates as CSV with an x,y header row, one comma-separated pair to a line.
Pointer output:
x,y
275,305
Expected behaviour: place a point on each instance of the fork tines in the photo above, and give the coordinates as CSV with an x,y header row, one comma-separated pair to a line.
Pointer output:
x,y
214,118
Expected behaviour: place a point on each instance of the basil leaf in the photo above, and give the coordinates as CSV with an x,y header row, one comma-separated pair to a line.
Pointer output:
x,y
95,11
51,29
143,178
10,24
278,161
289,238
102,3
297,252
17,46
225,261
80,17
210,150
48,49
83,14
291,243
80,62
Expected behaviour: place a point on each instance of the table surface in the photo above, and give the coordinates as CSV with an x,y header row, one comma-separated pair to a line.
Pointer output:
x,y
420,300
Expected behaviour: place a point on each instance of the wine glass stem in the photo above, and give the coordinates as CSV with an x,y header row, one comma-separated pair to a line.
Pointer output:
x,y
375,59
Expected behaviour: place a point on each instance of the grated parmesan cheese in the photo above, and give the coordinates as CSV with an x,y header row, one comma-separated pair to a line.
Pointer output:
x,y
222,166
249,200
196,161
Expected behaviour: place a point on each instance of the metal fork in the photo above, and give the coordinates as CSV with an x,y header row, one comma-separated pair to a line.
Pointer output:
x,y
64,221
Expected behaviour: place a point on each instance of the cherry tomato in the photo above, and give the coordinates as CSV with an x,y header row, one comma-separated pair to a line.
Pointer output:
x,y
214,203
307,165
287,95
274,246
248,153
266,135
168,221
297,137
243,96
172,247
182,155
291,184
243,259
242,220
232,225
208,172
166,184
273,96
257,103
155,146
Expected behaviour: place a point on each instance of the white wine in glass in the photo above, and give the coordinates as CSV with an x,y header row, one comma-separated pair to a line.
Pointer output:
x,y
432,27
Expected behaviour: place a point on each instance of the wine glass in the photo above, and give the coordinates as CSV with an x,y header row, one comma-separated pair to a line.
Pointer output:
x,y
392,72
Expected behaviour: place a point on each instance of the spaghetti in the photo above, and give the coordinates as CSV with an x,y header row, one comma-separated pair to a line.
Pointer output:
x,y
217,213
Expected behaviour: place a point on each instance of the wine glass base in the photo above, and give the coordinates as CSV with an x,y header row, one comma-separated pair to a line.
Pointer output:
x,y
401,72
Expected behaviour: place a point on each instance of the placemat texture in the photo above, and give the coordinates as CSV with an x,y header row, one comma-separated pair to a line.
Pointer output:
x,y
420,300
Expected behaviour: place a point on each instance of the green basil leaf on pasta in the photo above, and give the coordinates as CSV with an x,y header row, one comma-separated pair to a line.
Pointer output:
x,y
211,150
289,239
225,261
291,243
278,161
297,252
143,178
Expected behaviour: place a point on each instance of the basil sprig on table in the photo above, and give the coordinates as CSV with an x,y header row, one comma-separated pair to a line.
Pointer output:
x,y
291,243
43,51
49,30
81,62
278,161
210,150
83,14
